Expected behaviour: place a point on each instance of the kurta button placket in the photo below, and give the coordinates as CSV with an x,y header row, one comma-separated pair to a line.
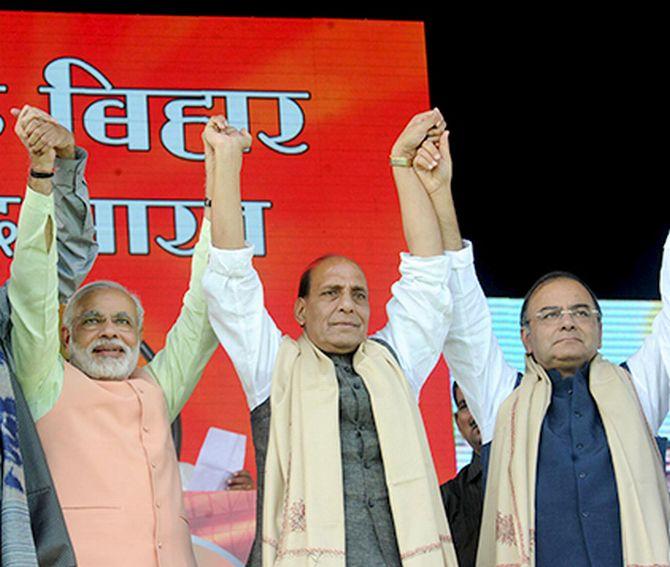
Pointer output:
x,y
156,534
574,460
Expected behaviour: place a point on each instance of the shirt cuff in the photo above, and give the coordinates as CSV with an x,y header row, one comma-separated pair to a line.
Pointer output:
x,y
38,201
231,263
461,258
70,165
431,269
69,175
463,277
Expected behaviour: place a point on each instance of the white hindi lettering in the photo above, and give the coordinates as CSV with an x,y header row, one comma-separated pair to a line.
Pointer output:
x,y
135,103
185,225
7,227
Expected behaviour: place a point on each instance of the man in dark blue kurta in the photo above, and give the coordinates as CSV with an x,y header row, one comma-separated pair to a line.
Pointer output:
x,y
578,517
577,508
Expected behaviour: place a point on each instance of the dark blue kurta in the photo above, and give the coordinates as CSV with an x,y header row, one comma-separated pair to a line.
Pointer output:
x,y
577,517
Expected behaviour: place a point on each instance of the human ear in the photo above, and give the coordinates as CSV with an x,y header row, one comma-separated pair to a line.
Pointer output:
x,y
299,311
525,339
65,339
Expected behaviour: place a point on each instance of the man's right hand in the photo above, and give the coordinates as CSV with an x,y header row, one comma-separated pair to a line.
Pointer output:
x,y
42,135
427,125
224,139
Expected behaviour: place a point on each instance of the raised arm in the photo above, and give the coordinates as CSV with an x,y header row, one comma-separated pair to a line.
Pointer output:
x,y
33,287
191,341
650,366
227,146
419,222
232,287
420,309
471,350
75,235
434,168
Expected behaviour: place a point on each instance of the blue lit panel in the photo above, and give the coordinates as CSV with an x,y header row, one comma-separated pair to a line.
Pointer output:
x,y
625,325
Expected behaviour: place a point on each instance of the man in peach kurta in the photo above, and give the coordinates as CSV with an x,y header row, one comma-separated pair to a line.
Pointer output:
x,y
104,423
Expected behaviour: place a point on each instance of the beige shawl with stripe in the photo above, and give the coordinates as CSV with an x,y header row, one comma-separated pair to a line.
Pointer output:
x,y
508,528
303,510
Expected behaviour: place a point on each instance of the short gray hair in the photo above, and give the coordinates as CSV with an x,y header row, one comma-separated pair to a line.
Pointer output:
x,y
68,313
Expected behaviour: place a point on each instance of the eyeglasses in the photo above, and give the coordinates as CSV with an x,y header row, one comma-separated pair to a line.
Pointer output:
x,y
553,315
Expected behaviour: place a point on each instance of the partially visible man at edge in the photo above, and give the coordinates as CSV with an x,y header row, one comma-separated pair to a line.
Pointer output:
x,y
345,473
33,529
104,423
576,477
463,495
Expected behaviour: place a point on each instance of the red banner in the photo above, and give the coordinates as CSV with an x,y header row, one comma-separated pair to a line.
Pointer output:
x,y
323,100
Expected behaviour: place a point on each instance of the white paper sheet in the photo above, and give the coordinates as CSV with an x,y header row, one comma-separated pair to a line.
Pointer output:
x,y
221,454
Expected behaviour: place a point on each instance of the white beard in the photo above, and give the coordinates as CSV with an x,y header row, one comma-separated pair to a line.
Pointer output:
x,y
107,368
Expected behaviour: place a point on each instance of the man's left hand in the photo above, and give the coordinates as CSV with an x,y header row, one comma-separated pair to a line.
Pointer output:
x,y
433,164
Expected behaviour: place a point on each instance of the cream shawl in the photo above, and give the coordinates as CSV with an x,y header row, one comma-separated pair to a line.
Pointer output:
x,y
508,529
303,510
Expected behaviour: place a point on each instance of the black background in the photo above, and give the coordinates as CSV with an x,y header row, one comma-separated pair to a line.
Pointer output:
x,y
558,131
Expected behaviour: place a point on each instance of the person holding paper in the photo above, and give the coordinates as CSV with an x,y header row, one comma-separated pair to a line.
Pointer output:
x,y
103,422
345,472
221,452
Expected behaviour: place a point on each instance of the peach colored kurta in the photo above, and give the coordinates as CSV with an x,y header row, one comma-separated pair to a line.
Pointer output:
x,y
110,451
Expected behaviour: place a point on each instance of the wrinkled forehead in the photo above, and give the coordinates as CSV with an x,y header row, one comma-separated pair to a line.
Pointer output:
x,y
106,301
559,292
338,270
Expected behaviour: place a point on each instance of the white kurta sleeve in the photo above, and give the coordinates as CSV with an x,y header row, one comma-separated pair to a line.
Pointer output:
x,y
419,314
650,365
472,352
242,324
